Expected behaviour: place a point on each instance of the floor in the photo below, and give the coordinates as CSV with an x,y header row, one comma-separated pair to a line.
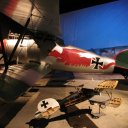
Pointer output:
x,y
20,114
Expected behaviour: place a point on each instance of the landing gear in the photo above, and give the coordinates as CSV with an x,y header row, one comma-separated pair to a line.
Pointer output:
x,y
98,114
125,74
126,77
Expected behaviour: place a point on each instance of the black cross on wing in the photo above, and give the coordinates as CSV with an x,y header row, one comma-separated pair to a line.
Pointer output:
x,y
44,104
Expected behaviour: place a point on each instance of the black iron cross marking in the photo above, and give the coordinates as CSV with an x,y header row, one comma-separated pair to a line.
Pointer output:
x,y
97,63
44,104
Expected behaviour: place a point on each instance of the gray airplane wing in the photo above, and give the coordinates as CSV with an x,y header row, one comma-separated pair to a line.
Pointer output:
x,y
44,14
20,78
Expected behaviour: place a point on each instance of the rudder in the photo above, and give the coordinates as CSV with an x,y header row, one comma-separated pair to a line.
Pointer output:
x,y
122,59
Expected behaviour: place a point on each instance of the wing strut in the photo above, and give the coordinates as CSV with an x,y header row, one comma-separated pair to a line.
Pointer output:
x,y
7,62
21,37
3,48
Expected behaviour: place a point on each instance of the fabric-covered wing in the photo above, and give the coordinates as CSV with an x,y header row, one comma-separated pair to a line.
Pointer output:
x,y
45,13
20,78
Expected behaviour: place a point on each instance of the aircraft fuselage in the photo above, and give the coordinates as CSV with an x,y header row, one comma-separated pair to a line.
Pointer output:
x,y
62,58
77,60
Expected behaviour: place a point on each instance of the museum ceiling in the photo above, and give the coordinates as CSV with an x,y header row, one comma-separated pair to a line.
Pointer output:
x,y
72,5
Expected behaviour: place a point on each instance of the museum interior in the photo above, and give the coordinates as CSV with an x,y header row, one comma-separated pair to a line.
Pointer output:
x,y
63,63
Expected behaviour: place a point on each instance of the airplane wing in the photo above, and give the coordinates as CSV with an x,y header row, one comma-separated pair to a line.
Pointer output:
x,y
20,78
47,107
44,14
107,84
106,98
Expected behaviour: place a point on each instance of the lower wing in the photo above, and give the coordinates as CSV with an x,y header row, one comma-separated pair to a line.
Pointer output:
x,y
20,78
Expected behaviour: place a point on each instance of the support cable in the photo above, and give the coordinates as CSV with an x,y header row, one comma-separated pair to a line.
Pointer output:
x,y
7,63
15,47
3,50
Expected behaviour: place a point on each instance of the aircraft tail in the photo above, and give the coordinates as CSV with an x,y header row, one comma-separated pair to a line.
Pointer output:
x,y
122,59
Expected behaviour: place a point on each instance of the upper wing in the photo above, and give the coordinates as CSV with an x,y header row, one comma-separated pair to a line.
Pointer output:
x,y
45,13
107,84
20,78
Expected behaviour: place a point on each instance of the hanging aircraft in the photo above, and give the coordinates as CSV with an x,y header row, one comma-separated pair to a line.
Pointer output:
x,y
42,54
35,17
66,58
49,106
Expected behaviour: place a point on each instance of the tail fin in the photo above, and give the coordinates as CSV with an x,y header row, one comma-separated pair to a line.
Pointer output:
x,y
122,59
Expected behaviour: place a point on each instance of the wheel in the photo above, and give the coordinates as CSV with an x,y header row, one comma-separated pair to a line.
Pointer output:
x,y
91,102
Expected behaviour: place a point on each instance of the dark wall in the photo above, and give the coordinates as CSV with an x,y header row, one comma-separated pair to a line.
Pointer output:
x,y
100,26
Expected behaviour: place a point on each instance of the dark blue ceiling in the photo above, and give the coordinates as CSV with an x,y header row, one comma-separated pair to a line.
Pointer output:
x,y
72,5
